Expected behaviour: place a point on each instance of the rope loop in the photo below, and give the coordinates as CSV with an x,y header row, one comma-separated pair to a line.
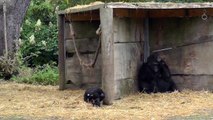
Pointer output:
x,y
82,63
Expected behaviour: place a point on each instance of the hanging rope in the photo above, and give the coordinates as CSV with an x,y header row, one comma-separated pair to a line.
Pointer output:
x,y
98,32
82,63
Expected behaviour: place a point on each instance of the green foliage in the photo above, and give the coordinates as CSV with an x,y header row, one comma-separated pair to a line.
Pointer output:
x,y
39,34
42,75
41,10
41,46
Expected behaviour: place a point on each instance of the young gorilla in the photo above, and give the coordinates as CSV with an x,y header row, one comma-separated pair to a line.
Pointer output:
x,y
94,95
154,76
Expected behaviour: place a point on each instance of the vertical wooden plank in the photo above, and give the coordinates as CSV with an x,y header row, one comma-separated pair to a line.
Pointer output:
x,y
146,39
62,55
108,83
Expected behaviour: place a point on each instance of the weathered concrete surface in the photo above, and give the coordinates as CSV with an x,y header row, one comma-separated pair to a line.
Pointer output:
x,y
128,30
167,32
86,43
192,60
127,53
194,82
126,60
80,75
83,45
82,29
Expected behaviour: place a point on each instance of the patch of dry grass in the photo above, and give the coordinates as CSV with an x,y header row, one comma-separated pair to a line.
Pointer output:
x,y
48,101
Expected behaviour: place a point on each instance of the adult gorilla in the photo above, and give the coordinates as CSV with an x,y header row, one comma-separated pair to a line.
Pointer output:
x,y
154,76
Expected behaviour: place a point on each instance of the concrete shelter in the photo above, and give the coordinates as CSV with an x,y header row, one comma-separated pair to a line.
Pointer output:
x,y
182,33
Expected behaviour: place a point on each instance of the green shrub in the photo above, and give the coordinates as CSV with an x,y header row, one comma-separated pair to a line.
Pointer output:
x,y
42,75
41,46
39,34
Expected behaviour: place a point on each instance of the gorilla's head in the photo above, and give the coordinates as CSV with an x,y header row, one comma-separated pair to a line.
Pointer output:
x,y
153,62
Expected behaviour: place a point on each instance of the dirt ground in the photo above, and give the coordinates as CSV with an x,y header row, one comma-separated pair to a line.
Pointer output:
x,y
26,102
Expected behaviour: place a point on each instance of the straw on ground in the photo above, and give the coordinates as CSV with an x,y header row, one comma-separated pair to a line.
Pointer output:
x,y
48,102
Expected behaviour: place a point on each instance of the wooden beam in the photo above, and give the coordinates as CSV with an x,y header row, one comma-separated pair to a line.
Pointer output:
x,y
62,54
83,16
107,49
158,5
134,13
199,12
139,13
167,13
160,13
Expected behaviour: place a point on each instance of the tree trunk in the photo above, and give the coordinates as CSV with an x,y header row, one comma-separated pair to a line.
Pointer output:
x,y
16,10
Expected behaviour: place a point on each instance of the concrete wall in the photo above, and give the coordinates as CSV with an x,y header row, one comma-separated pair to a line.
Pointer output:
x,y
127,53
86,42
191,63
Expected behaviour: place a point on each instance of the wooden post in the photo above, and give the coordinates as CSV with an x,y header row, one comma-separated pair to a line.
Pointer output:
x,y
62,55
107,49
5,29
146,39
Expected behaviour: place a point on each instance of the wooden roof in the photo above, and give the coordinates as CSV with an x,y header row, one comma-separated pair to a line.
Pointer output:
x,y
154,5
139,10
137,5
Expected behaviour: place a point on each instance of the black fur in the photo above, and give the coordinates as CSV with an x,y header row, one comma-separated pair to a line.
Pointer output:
x,y
94,95
154,76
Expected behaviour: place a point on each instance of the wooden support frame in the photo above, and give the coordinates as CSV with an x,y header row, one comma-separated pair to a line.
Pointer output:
x,y
107,49
84,16
62,54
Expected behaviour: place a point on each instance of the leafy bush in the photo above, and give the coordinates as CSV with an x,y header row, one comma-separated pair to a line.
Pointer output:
x,y
42,75
38,39
41,46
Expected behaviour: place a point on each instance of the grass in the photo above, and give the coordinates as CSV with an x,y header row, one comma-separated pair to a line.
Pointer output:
x,y
42,75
